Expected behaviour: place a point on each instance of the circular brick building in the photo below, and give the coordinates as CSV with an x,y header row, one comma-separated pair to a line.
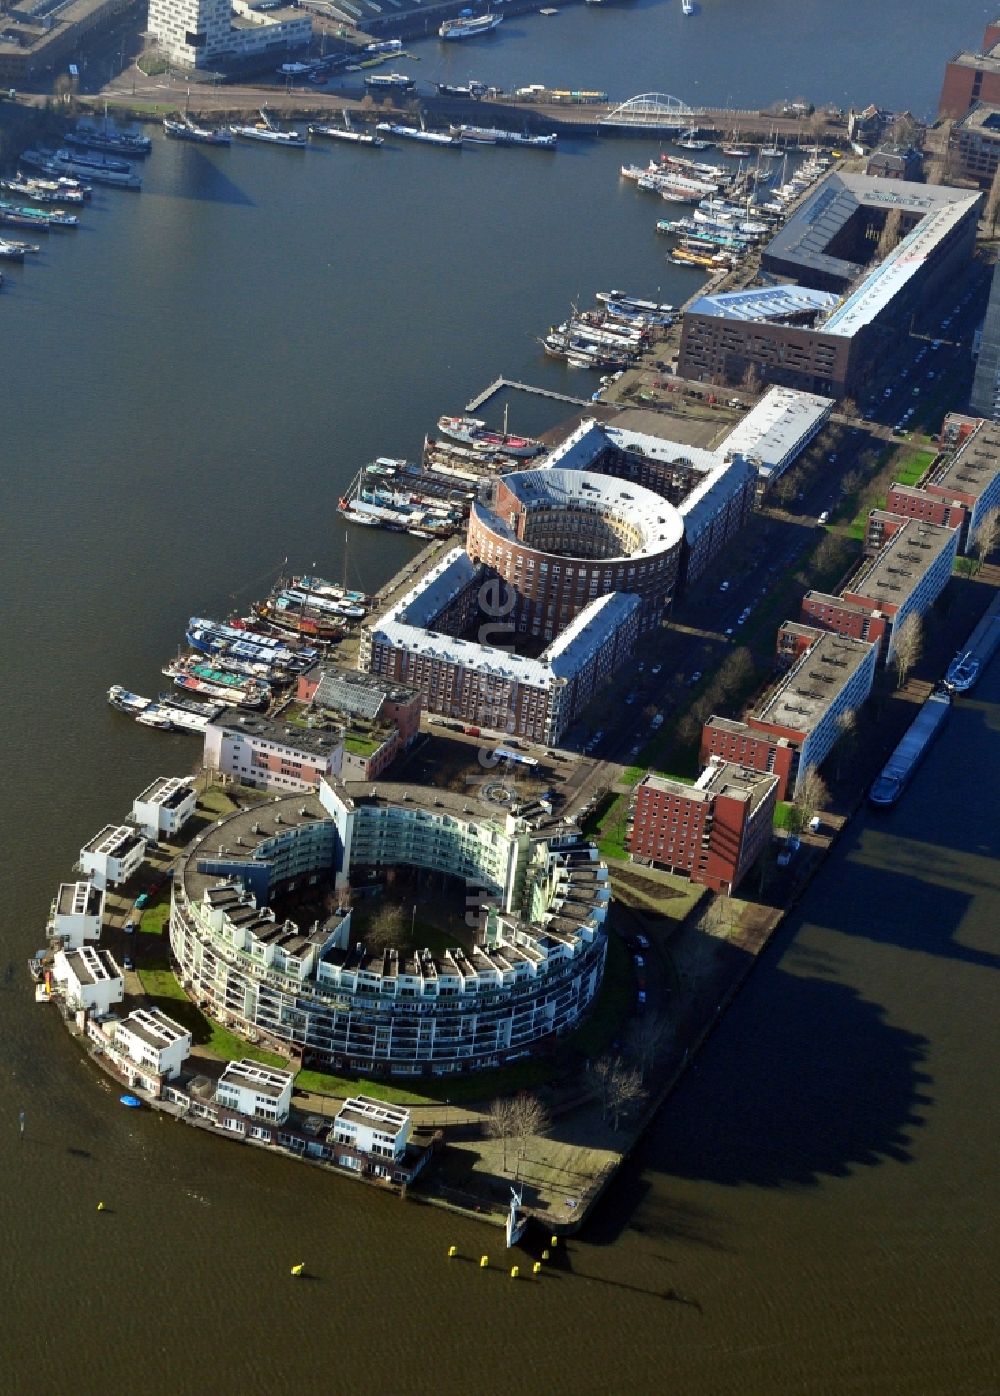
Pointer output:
x,y
561,538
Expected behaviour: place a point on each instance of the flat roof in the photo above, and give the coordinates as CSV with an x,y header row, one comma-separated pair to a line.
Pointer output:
x,y
357,693
770,304
974,465
114,840
153,1027
364,1110
902,562
717,778
777,427
78,899
314,741
92,965
803,696
251,1075
169,791
983,118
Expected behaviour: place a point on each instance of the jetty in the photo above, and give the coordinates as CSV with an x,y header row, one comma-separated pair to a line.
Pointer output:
x,y
498,385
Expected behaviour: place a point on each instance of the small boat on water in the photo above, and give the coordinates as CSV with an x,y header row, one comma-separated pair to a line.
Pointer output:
x,y
471,89
153,717
687,7
390,80
131,1102
182,128
344,133
495,135
98,169
473,431
126,702
517,1218
634,303
27,216
962,673
266,130
130,144
416,133
468,26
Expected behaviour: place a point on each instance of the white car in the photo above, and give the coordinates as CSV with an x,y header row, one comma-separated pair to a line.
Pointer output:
x,y
723,586
824,518
656,669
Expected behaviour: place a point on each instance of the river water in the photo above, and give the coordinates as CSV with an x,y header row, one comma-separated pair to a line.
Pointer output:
x,y
188,383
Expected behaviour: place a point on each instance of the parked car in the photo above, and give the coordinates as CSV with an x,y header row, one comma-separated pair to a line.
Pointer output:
x,y
127,963
792,846
642,942
656,669
824,517
129,928
723,586
639,962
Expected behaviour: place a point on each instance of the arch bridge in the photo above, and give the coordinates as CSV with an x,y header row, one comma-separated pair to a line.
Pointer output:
x,y
651,111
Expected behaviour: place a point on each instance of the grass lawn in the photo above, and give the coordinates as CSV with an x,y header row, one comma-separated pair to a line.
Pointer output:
x,y
362,743
165,993
655,891
783,814
153,919
910,464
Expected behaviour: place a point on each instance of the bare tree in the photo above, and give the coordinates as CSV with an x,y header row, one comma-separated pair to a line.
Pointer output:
x,y
847,737
891,234
344,896
649,1038
908,646
530,1117
752,379
986,536
736,672
500,1123
991,209
625,1090
811,794
851,482
386,930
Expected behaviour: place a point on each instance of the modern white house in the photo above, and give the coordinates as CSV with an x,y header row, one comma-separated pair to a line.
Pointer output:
x,y
113,855
370,1127
76,914
258,1092
89,978
150,1039
164,807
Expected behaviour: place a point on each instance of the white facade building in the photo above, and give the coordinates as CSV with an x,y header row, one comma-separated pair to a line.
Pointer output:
x,y
371,1127
200,33
150,1039
90,979
113,855
77,912
259,1092
271,754
164,807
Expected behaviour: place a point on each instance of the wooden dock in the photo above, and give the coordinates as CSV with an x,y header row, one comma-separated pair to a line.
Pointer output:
x,y
498,384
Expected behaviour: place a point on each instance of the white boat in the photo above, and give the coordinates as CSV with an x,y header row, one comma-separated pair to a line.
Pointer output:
x,y
399,80
687,7
344,133
962,673
414,133
182,128
125,701
265,130
155,717
495,135
517,1219
469,26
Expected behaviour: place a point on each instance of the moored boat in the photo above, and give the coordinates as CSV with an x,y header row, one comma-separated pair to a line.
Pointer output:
x,y
96,168
125,701
416,133
272,135
468,26
132,144
184,129
344,133
391,80
495,135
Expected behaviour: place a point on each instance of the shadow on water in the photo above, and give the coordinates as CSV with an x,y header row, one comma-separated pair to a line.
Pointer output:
x,y
206,182
821,1087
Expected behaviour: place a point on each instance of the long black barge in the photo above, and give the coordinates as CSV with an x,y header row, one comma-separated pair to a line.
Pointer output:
x,y
917,739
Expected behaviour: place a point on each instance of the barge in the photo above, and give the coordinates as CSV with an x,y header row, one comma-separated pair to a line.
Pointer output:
x,y
899,769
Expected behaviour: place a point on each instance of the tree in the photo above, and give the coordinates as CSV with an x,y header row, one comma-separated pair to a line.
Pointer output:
x,y
649,1038
619,1084
386,930
991,209
986,536
811,794
908,646
500,1123
530,1116
891,234
847,737
736,672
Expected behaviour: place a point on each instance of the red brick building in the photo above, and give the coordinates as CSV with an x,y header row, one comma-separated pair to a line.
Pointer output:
x,y
912,503
972,77
713,831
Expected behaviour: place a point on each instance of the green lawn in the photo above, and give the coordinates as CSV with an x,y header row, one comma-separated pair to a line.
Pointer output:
x,y
153,919
783,814
911,464
363,743
165,993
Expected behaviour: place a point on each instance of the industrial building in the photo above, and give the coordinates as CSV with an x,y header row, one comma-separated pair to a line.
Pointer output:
x,y
713,831
833,314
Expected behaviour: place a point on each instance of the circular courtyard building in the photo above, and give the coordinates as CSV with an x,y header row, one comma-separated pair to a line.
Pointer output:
x,y
528,966
563,537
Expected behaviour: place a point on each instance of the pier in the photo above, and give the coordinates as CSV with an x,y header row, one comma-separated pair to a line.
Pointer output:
x,y
498,384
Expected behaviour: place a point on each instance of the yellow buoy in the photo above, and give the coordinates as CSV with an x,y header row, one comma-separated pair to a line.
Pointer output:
x,y
515,1270
484,1260
298,1269
536,1269
554,1241
545,1255
452,1252
100,1206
